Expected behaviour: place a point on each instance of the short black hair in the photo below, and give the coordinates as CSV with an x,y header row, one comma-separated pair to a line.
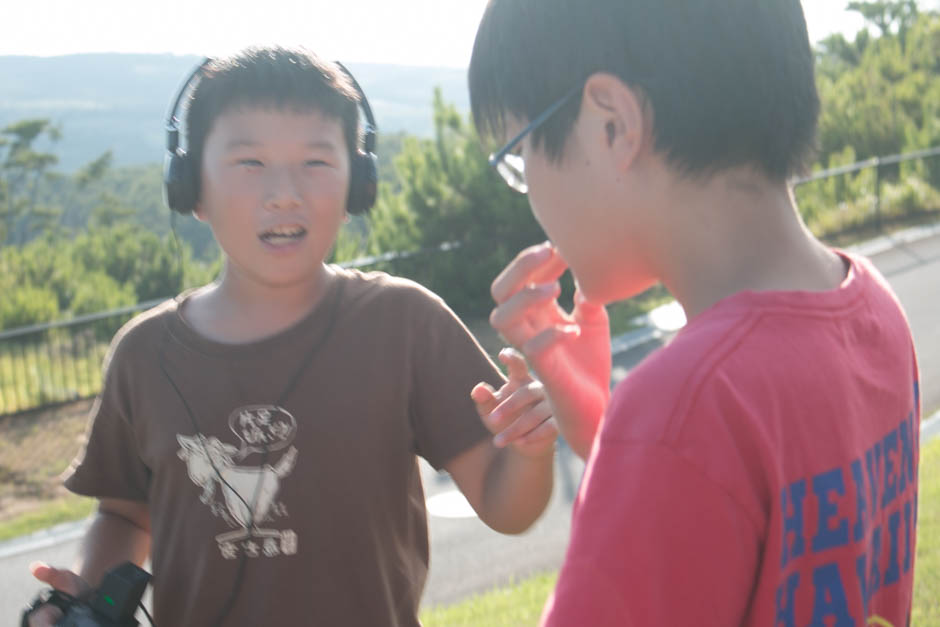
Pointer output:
x,y
279,78
730,82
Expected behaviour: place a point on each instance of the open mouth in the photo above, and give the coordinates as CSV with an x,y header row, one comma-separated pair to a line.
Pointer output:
x,y
280,235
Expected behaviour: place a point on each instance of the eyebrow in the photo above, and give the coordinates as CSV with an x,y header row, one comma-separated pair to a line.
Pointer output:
x,y
250,143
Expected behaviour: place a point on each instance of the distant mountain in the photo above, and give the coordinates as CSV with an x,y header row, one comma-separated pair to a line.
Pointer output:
x,y
119,101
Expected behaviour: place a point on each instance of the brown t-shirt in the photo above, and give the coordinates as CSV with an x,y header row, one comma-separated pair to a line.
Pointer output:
x,y
339,531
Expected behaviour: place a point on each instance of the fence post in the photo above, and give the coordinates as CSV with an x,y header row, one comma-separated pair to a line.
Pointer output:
x,y
878,222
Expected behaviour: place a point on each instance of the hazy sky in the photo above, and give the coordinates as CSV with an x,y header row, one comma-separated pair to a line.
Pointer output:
x,y
411,32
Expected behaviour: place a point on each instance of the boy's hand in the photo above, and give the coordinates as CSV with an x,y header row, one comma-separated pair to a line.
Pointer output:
x,y
518,413
60,579
569,352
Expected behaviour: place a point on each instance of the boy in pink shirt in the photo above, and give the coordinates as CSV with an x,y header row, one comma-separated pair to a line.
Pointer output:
x,y
762,468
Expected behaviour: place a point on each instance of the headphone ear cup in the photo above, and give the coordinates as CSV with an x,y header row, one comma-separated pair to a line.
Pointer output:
x,y
363,183
179,186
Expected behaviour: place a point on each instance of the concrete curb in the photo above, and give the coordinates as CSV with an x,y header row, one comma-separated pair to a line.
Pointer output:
x,y
627,341
652,329
44,538
887,242
653,326
930,428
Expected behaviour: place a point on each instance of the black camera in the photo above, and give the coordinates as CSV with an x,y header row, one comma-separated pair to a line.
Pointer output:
x,y
111,605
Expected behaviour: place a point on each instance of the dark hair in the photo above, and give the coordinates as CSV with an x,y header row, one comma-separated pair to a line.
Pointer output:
x,y
278,78
730,82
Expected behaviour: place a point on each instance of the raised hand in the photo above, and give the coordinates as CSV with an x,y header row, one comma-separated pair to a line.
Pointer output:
x,y
518,414
569,352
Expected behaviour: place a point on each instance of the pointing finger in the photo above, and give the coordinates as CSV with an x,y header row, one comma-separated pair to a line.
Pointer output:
x,y
539,264
515,363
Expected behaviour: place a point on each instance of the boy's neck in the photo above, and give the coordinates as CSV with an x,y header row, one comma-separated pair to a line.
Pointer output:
x,y
738,231
239,309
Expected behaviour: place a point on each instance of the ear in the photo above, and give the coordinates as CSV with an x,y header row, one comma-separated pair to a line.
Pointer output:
x,y
617,118
198,213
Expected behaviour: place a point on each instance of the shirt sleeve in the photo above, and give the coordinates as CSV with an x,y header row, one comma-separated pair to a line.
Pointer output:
x,y
110,465
654,542
449,362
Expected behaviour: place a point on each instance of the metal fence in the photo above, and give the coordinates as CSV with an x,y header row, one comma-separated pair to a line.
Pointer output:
x,y
50,364
880,165
60,362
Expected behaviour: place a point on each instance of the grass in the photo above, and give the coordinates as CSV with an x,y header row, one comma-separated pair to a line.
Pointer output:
x,y
513,606
39,372
64,364
34,450
520,605
863,230
927,566
66,509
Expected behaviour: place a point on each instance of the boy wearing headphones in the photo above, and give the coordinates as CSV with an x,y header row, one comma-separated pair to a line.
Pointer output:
x,y
762,468
258,437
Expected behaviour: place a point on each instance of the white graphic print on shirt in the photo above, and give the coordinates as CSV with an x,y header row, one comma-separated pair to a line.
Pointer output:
x,y
211,463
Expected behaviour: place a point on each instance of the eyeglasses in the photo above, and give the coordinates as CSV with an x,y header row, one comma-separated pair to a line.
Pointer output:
x,y
512,166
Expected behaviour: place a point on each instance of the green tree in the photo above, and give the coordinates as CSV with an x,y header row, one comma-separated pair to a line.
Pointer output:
x,y
22,170
141,260
25,305
888,16
450,197
878,94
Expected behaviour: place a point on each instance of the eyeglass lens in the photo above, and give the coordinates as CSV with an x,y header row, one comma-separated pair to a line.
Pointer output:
x,y
512,169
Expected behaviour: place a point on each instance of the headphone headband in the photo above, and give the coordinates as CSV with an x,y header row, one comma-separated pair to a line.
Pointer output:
x,y
370,129
172,119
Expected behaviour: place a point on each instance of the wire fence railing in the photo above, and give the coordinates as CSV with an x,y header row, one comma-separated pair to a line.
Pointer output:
x,y
50,364
875,214
60,362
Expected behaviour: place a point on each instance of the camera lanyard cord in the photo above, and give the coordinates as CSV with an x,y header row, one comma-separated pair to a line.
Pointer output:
x,y
229,603
141,605
288,389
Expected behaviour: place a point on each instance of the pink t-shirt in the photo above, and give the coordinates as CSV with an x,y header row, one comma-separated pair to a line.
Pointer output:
x,y
760,470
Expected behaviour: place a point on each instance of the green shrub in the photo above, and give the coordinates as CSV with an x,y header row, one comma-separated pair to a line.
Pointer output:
x,y
24,305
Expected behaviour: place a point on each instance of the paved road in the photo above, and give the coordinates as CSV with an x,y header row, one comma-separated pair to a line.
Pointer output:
x,y
467,557
913,270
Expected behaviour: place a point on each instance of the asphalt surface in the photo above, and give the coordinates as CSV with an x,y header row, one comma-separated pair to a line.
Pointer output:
x,y
466,556
913,270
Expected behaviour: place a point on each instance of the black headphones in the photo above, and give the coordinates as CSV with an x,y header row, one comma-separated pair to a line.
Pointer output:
x,y
180,175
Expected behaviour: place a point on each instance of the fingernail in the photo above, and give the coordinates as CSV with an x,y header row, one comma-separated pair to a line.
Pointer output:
x,y
480,395
484,388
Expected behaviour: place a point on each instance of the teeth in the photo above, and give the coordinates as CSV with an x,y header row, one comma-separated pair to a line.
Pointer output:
x,y
283,233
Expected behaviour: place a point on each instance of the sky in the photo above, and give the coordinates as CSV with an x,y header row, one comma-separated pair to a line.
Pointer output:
x,y
407,32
